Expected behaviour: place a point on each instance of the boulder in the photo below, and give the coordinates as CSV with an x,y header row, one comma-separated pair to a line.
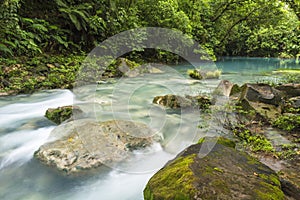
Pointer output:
x,y
262,93
261,98
202,74
176,101
173,101
127,68
224,88
290,178
224,173
86,144
202,102
290,90
61,114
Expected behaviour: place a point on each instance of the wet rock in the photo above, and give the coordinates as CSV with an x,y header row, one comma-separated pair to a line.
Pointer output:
x,y
61,114
224,88
127,68
172,101
292,105
290,178
176,101
235,89
261,98
290,90
224,173
201,74
195,74
86,144
202,102
262,93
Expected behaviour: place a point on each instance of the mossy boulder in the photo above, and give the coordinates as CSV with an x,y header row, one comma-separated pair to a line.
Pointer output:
x,y
290,90
61,114
262,99
175,101
195,74
201,74
224,173
172,101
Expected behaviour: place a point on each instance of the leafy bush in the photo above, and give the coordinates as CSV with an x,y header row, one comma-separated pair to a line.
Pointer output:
x,y
288,122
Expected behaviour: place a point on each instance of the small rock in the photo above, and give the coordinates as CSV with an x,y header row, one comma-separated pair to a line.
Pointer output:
x,y
61,114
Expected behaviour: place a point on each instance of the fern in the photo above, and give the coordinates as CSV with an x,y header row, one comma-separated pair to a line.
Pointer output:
x,y
4,50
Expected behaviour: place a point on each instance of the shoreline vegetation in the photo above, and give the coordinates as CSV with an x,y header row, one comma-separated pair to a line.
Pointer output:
x,y
42,47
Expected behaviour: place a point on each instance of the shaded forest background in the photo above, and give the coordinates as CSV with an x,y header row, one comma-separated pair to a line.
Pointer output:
x,y
43,42
265,28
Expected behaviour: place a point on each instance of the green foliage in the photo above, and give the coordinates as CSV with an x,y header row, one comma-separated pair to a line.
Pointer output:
x,y
288,151
28,75
236,27
257,142
220,140
195,74
288,122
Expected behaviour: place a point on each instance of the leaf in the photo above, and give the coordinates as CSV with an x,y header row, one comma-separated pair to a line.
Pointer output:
x,y
60,40
75,21
39,27
61,3
5,50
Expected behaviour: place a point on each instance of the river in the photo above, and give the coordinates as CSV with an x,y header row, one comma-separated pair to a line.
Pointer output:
x,y
23,128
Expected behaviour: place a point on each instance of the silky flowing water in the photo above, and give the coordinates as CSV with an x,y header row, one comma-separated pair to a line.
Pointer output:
x,y
23,129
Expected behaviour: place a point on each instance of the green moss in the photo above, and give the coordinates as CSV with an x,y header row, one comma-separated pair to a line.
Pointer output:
x,y
235,89
288,122
272,179
175,181
269,192
288,151
256,142
195,74
218,169
221,184
220,140
59,114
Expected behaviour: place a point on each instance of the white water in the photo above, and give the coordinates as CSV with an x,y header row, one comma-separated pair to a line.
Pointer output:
x,y
23,129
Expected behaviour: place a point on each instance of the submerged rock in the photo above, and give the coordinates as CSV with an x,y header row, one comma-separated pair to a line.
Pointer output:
x,y
61,114
85,144
176,101
224,173
172,101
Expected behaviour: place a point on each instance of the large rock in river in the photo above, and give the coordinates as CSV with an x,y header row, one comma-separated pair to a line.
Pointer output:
x,y
86,144
224,173
290,90
263,99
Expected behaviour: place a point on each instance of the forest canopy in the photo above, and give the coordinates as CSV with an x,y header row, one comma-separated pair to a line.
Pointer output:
x,y
264,28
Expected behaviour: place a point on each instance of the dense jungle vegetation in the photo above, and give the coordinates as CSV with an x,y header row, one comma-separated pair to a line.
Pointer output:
x,y
43,32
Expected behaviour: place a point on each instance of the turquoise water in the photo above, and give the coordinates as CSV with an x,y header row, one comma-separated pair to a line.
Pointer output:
x,y
23,128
